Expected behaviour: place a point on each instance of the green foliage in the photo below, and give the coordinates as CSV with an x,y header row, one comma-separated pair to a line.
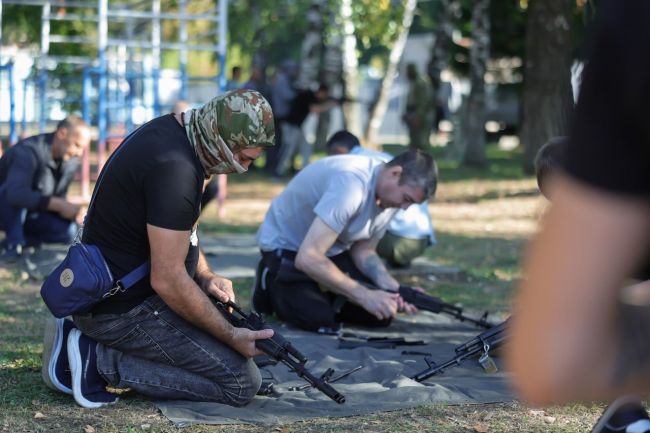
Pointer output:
x,y
377,23
21,24
273,28
508,26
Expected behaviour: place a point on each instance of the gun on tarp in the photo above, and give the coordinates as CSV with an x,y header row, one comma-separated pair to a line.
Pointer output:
x,y
327,377
376,342
277,347
482,343
436,305
350,340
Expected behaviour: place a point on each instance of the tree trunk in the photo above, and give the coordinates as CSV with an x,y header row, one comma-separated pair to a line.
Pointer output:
x,y
331,74
479,53
350,70
379,109
442,42
312,48
547,96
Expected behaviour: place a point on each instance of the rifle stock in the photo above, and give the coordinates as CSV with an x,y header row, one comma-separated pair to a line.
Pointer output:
x,y
277,347
484,342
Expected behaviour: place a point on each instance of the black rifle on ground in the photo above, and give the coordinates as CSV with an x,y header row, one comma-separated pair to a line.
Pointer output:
x,y
350,340
376,342
436,305
481,344
277,347
327,377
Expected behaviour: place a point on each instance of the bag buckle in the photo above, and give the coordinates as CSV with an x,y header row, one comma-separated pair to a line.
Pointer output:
x,y
78,235
117,287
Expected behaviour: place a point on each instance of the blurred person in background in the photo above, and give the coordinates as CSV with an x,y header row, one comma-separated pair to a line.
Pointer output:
x,y
35,175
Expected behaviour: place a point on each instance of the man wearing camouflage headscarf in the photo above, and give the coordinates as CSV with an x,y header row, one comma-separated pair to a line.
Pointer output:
x,y
163,337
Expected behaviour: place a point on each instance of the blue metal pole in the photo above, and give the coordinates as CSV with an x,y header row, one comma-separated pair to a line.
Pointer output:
x,y
129,99
156,97
13,135
85,95
42,84
101,108
23,119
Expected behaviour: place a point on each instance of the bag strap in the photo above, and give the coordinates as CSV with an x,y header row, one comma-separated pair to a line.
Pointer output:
x,y
103,172
141,271
134,276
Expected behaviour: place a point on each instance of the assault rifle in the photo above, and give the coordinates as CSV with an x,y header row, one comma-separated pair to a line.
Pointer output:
x,y
277,347
350,340
376,342
436,305
482,343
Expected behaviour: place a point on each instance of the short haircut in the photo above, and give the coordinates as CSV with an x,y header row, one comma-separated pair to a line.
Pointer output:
x,y
342,138
70,123
549,158
418,169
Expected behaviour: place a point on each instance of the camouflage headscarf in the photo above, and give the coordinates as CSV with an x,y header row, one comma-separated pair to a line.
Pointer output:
x,y
237,120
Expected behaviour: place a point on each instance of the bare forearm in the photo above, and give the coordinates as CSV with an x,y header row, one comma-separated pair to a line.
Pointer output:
x,y
372,267
203,271
187,300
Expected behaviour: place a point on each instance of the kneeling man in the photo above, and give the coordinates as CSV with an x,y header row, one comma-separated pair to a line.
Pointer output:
x,y
319,263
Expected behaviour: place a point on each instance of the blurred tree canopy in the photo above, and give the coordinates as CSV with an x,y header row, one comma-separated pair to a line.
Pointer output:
x,y
274,28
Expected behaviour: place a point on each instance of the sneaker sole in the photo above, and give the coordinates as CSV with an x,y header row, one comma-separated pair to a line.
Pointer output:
x,y
613,407
52,345
76,368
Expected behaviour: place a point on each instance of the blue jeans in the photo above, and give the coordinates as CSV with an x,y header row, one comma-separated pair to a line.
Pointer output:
x,y
33,228
157,353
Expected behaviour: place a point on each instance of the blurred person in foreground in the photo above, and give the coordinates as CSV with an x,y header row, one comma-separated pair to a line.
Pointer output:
x,y
35,175
410,231
595,237
626,413
163,337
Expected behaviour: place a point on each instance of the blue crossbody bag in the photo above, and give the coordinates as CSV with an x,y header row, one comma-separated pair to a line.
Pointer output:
x,y
83,278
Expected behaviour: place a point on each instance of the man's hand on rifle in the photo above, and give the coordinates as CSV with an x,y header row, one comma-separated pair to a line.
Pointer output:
x,y
243,340
219,287
381,304
406,307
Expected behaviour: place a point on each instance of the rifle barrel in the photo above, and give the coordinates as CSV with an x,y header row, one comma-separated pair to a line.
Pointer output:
x,y
278,348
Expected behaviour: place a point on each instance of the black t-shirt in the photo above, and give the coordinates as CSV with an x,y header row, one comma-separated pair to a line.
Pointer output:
x,y
300,107
610,142
155,178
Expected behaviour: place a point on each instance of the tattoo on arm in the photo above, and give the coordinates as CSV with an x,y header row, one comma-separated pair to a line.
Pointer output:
x,y
374,268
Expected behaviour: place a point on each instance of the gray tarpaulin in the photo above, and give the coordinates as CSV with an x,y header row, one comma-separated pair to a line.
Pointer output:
x,y
382,384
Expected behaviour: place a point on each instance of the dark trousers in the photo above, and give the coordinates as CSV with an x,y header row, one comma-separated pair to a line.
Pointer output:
x,y
299,300
159,354
22,227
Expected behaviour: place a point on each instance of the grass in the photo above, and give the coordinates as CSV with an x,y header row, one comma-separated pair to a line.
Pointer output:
x,y
483,219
